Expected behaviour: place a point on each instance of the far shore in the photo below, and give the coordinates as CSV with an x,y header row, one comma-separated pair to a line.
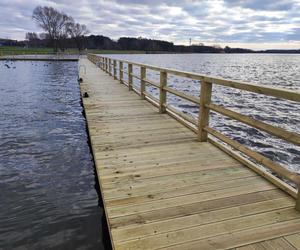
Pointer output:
x,y
13,50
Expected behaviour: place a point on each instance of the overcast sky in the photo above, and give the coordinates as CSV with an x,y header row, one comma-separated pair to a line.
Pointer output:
x,y
255,24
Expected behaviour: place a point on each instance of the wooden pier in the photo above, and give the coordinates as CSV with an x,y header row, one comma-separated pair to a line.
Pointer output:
x,y
165,187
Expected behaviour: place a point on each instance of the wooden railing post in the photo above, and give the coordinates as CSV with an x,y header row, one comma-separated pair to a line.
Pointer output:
x,y
162,92
129,76
297,207
109,67
102,63
121,71
143,84
106,65
203,119
115,70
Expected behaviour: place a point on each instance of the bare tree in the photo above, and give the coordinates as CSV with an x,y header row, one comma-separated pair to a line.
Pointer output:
x,y
77,32
32,38
53,22
44,36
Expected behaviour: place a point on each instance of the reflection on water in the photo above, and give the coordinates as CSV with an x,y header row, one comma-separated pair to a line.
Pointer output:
x,y
48,196
269,69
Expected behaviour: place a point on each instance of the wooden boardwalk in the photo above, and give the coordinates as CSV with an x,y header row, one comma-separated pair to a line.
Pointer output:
x,y
162,189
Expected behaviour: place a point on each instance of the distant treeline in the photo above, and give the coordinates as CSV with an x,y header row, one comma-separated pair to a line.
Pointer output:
x,y
139,44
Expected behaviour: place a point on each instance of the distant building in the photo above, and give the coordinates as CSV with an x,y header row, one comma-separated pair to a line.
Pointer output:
x,y
2,43
8,42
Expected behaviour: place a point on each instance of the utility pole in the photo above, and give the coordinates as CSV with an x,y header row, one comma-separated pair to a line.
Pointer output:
x,y
190,41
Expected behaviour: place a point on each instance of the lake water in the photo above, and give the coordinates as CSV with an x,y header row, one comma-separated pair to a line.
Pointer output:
x,y
48,198
278,70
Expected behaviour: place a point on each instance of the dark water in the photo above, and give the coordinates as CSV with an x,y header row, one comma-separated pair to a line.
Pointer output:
x,y
274,70
48,198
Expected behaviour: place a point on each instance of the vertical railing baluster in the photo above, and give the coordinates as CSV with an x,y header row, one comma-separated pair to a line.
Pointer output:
x,y
162,92
143,85
203,119
129,76
121,71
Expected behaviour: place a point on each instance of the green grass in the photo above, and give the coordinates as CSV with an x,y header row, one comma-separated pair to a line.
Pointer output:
x,y
97,51
13,50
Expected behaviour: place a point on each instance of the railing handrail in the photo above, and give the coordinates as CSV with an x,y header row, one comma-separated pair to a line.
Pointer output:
x,y
292,95
201,126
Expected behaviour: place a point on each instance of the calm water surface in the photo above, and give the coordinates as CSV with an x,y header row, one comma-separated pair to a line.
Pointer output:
x,y
48,198
280,70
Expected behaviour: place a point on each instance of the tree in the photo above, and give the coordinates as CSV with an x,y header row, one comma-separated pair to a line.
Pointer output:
x,y
52,22
32,38
44,36
77,32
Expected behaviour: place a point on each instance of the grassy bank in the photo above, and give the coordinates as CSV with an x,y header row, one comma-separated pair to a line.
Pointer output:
x,y
10,50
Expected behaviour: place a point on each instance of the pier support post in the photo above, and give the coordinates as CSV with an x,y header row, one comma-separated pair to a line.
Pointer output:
x,y
143,85
203,119
129,76
162,92
115,70
121,71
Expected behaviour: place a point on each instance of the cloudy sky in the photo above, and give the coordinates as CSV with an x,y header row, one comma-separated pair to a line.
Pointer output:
x,y
256,24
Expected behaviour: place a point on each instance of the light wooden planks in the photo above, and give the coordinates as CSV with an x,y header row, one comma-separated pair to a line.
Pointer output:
x,y
163,189
273,244
294,240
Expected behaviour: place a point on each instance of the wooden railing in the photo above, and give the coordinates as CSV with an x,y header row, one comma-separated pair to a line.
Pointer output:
x,y
245,155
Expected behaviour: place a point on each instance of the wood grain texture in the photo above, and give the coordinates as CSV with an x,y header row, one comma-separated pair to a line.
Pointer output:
x,y
162,189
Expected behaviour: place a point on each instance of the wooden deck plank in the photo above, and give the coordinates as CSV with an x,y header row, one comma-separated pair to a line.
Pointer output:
x,y
194,208
163,189
209,230
294,240
159,227
118,196
185,200
244,237
274,244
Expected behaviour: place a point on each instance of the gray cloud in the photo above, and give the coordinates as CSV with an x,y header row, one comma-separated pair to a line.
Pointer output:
x,y
222,21
270,5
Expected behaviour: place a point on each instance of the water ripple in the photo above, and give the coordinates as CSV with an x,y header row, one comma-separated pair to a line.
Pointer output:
x,y
48,196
